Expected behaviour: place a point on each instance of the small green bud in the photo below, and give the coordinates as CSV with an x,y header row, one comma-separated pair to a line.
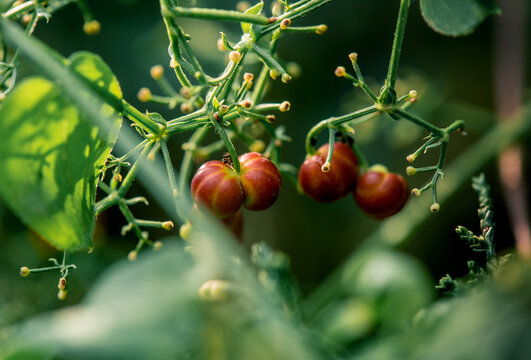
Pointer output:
x,y
415,192
62,294
435,207
132,256
144,94
246,104
413,94
353,57
411,157
156,72
24,271
92,27
340,71
167,225
284,106
410,170
286,78
270,118
284,24
235,56
62,284
186,108
274,74
321,29
248,77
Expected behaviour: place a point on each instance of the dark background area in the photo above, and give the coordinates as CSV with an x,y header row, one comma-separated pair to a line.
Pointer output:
x,y
452,75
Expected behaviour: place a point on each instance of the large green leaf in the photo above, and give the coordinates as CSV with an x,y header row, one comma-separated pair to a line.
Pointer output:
x,y
456,17
52,156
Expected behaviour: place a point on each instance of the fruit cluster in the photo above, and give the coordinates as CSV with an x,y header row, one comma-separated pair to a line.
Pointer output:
x,y
217,187
378,192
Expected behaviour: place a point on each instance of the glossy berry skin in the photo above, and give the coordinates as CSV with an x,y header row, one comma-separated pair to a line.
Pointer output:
x,y
337,182
260,181
217,187
381,194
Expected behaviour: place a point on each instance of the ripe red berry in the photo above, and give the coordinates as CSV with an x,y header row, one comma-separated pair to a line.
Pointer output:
x,y
260,181
335,183
217,187
380,193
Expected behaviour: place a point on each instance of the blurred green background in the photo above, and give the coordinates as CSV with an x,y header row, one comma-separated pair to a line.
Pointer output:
x,y
453,76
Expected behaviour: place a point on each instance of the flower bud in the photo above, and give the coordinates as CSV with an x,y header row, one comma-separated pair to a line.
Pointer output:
x,y
167,225
235,56
92,27
246,104
215,290
186,108
144,94
248,77
157,245
221,45
321,29
413,94
415,192
24,271
353,57
435,207
340,71
270,118
132,256
325,167
411,157
62,284
284,106
286,78
274,74
284,24
156,72
410,170
243,5
61,295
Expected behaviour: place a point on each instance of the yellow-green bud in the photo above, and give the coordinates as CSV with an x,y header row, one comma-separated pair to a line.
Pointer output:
x,y
167,225
61,295
286,78
235,56
243,5
340,71
132,256
284,106
435,207
92,27
62,284
257,146
321,29
413,94
144,94
284,24
156,72
157,245
411,157
221,45
274,74
353,57
24,271
415,192
325,167
410,170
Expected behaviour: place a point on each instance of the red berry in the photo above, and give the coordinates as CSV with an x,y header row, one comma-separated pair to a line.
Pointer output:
x,y
380,193
217,187
335,183
260,180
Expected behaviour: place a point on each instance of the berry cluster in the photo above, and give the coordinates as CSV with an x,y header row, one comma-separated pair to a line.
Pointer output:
x,y
217,186
378,192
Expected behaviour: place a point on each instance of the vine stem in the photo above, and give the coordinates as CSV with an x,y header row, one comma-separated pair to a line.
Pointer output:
x,y
397,43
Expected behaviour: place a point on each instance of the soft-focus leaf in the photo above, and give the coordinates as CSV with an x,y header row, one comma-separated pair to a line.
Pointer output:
x,y
253,10
52,155
456,17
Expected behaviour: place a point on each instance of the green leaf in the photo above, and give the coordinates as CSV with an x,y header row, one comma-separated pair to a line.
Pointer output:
x,y
253,10
456,17
52,155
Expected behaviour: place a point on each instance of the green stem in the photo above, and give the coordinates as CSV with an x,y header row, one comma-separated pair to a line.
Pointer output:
x,y
228,144
397,43
140,119
260,84
310,149
420,122
217,14
171,174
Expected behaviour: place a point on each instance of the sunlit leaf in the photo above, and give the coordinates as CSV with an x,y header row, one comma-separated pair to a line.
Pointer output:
x,y
52,155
